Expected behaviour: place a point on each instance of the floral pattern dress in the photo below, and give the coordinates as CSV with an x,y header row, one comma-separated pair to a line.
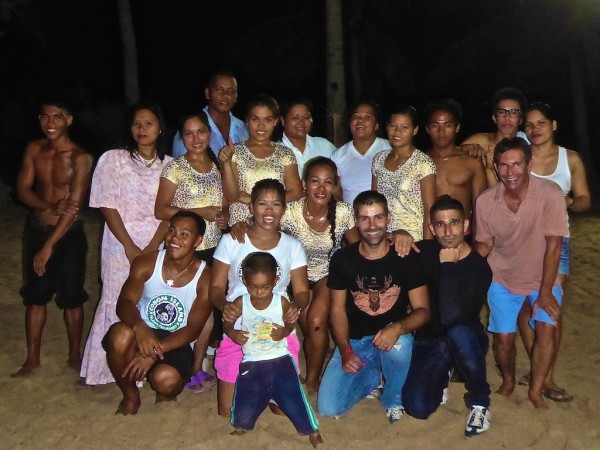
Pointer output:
x,y
127,185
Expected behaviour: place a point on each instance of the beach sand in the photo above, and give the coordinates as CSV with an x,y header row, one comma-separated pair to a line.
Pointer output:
x,y
48,411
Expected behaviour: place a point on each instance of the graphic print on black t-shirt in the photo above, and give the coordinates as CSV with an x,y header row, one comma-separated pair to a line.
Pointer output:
x,y
375,297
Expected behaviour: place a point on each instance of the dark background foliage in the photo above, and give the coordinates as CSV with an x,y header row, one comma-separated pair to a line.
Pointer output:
x,y
405,51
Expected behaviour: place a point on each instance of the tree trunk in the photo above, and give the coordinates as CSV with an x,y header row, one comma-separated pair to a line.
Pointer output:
x,y
580,118
336,83
131,82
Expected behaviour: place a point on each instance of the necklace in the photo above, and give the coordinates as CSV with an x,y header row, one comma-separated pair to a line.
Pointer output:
x,y
309,216
146,162
172,280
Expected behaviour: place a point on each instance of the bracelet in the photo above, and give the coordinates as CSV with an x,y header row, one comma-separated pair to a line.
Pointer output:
x,y
348,351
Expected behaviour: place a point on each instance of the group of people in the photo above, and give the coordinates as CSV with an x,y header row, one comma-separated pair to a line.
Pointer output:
x,y
240,238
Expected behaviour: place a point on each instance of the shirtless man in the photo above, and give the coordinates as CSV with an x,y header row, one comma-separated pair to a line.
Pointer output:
x,y
221,96
53,181
508,107
163,307
457,174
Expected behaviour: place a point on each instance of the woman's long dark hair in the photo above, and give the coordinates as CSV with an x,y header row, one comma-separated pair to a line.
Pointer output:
x,y
320,161
201,116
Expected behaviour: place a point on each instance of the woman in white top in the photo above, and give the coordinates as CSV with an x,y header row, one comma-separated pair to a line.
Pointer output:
x,y
297,121
267,205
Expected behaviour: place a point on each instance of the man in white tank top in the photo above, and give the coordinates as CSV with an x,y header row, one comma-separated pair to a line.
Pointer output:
x,y
163,306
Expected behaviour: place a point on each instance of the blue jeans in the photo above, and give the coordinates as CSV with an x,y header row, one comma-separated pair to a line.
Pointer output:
x,y
340,391
463,347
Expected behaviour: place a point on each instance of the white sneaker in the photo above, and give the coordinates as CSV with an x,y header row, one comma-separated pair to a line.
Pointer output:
x,y
478,421
444,396
394,413
375,393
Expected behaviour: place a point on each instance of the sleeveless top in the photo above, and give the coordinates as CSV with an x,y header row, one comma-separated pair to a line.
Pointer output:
x,y
258,324
165,307
562,173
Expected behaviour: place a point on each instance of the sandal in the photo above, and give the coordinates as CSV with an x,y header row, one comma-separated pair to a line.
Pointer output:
x,y
557,395
200,379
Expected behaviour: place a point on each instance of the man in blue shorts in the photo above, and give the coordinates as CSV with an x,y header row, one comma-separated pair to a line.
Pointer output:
x,y
520,224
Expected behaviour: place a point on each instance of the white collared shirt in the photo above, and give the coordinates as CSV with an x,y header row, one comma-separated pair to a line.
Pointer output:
x,y
315,146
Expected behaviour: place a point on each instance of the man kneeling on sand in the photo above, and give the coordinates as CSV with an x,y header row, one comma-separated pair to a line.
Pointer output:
x,y
163,306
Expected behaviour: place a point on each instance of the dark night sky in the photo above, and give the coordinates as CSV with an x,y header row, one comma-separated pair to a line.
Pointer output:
x,y
409,51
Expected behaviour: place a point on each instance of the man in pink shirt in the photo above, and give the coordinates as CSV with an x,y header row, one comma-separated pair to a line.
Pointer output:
x,y
520,224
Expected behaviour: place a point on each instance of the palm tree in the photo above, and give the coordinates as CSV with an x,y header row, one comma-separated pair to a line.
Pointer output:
x,y
130,58
336,82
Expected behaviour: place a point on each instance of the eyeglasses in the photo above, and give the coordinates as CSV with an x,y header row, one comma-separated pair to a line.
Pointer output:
x,y
508,112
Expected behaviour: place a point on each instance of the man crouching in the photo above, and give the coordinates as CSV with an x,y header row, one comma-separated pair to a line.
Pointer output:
x,y
163,306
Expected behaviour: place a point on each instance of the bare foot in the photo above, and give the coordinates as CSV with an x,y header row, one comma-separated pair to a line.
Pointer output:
x,y
129,407
312,386
164,398
506,388
238,432
315,439
81,384
74,362
537,401
26,370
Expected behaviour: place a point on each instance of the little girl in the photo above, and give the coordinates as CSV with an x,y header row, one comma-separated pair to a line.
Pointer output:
x,y
267,371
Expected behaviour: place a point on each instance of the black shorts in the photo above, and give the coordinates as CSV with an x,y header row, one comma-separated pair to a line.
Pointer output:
x,y
180,358
65,270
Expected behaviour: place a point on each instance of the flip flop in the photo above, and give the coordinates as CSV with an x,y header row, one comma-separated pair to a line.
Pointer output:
x,y
557,395
206,385
197,379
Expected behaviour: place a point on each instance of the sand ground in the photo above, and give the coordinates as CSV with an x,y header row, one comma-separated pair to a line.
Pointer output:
x,y
48,411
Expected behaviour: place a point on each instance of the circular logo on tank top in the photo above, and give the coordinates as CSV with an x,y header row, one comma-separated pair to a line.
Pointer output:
x,y
166,312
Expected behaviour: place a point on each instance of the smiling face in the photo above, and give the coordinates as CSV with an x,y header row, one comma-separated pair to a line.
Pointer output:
x,y
297,123
196,135
145,127
539,128
401,130
442,128
513,170
261,122
221,95
268,209
319,184
54,121
372,222
508,125
182,238
448,227
363,123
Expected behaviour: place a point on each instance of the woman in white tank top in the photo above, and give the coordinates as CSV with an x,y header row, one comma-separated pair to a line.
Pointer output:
x,y
566,169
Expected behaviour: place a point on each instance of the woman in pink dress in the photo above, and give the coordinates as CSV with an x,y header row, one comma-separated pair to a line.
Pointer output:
x,y
124,187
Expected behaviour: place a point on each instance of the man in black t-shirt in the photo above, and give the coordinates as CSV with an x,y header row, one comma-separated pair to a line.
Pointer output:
x,y
372,290
458,280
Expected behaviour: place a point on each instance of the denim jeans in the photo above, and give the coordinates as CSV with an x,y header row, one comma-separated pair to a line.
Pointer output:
x,y
339,390
463,347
